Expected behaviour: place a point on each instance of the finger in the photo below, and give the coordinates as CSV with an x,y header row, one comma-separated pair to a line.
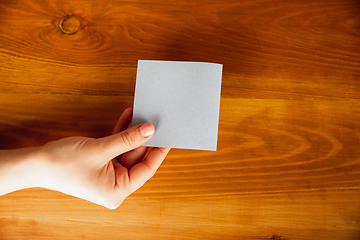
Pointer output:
x,y
125,141
145,169
124,121
133,157
130,124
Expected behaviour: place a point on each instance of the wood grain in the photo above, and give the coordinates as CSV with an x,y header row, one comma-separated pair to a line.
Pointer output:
x,y
288,159
285,168
297,49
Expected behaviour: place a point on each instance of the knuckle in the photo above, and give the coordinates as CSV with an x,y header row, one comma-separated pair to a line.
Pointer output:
x,y
152,174
128,139
113,203
152,170
112,206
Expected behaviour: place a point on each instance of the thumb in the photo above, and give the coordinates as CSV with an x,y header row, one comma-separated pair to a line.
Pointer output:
x,y
114,145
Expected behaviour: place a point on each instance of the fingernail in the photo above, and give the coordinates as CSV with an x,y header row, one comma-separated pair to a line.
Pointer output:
x,y
146,129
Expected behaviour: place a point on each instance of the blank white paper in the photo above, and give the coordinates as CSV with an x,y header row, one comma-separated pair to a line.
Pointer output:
x,y
182,101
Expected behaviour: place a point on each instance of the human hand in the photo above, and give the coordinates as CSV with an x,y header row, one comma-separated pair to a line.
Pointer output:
x,y
89,168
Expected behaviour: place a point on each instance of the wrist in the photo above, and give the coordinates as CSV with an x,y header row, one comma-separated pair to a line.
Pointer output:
x,y
18,169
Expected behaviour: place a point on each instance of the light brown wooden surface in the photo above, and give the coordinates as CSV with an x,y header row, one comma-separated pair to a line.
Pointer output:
x,y
288,159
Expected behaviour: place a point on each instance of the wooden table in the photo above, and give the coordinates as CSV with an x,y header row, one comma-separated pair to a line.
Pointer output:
x,y
287,165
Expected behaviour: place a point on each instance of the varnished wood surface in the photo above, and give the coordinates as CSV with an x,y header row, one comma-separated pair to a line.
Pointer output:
x,y
288,159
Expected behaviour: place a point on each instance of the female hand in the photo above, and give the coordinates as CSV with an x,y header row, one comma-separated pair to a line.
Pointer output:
x,y
90,168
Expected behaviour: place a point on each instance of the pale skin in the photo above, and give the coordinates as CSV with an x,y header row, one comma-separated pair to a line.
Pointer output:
x,y
103,171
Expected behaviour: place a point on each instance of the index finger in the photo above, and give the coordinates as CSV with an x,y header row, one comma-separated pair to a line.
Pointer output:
x,y
123,121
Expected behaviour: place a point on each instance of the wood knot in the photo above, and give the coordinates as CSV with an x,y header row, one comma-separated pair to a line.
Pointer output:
x,y
69,24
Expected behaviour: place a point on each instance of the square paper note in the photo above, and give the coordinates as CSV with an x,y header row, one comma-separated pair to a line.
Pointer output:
x,y
182,101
